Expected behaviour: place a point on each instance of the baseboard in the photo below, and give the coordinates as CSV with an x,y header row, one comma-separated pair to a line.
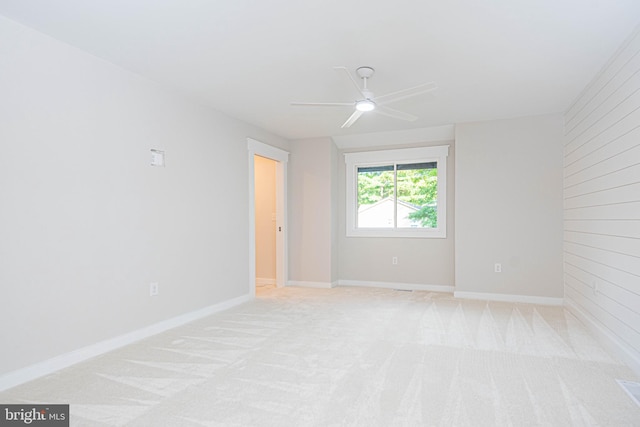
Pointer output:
x,y
606,338
23,375
393,285
305,284
265,281
509,298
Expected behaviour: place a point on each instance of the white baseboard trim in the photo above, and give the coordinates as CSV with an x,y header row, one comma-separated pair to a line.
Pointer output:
x,y
606,338
509,298
264,281
392,285
305,284
23,375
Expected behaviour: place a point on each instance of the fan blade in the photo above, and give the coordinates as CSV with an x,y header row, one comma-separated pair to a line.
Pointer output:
x,y
396,114
358,88
405,93
352,119
322,104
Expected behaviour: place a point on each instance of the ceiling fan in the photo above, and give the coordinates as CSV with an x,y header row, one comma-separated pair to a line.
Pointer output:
x,y
369,102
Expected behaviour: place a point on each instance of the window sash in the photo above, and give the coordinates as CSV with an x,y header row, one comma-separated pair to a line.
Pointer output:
x,y
401,159
395,197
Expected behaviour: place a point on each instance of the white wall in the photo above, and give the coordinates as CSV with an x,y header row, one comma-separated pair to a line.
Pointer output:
x,y
86,223
509,208
602,203
265,199
423,263
311,213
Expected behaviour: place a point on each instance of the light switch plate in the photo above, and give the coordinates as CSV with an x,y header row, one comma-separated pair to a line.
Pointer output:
x,y
157,157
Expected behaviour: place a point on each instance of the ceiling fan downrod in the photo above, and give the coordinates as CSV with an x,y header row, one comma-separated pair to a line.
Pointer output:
x,y
367,104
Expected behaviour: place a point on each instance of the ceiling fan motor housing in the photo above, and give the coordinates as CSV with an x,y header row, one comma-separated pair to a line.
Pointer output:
x,y
367,94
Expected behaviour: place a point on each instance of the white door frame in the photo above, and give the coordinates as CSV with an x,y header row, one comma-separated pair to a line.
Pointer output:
x,y
281,158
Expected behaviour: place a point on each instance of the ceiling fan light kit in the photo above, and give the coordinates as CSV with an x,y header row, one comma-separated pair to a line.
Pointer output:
x,y
369,102
365,105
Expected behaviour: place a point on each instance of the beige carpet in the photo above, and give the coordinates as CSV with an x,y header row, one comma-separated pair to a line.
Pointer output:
x,y
352,357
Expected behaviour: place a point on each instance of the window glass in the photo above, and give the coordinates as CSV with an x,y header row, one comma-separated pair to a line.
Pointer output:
x,y
417,189
376,197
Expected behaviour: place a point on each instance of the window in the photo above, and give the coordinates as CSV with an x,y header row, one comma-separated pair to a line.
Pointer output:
x,y
397,193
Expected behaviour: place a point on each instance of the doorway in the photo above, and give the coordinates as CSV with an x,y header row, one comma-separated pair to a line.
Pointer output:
x,y
266,231
279,158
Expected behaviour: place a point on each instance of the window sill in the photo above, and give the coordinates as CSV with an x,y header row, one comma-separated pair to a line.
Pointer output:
x,y
395,233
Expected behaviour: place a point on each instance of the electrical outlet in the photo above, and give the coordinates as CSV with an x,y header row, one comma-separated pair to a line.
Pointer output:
x,y
394,260
497,268
153,289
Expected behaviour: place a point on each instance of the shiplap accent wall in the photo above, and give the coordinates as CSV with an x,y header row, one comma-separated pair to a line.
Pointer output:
x,y
602,203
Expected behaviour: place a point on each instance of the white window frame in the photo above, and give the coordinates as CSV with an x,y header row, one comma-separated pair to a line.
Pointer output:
x,y
437,154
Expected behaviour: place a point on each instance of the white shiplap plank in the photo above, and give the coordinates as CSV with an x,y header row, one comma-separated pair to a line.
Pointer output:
x,y
625,94
623,194
618,161
620,122
621,279
625,263
629,229
621,296
624,211
616,65
606,99
605,151
599,294
620,245
619,177
584,297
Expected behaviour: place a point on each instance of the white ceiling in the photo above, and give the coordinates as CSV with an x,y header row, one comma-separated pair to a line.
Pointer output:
x,y
250,58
